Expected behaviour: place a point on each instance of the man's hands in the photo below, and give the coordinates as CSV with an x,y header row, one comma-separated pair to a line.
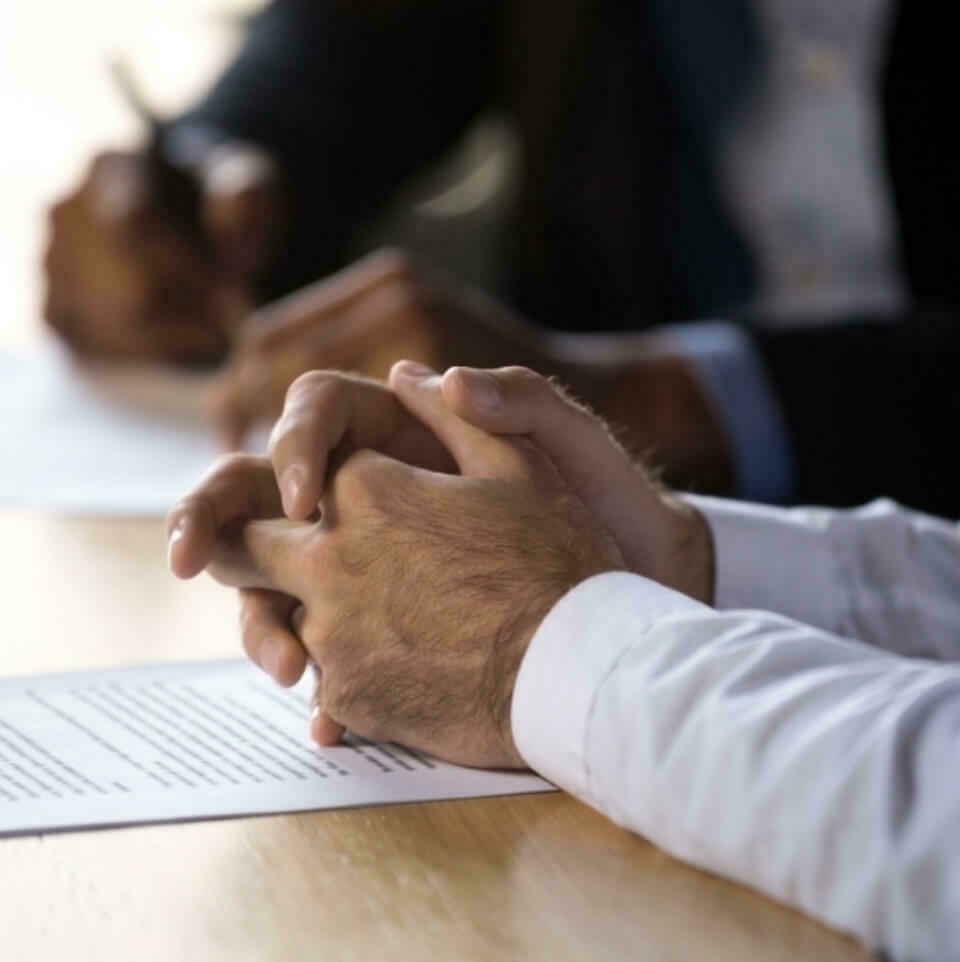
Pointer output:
x,y
416,591
382,308
421,592
124,280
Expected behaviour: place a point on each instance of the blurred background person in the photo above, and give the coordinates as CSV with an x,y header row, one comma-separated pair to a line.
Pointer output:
x,y
760,162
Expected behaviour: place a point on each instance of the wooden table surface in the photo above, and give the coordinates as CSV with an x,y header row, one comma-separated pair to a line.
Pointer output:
x,y
536,877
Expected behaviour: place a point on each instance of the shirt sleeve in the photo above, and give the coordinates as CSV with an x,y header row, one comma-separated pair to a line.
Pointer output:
x,y
346,98
732,375
881,574
814,768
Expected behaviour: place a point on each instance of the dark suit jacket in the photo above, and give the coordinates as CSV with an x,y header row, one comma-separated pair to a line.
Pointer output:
x,y
621,224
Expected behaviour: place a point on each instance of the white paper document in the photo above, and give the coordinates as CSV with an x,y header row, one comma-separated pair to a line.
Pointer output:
x,y
196,740
98,439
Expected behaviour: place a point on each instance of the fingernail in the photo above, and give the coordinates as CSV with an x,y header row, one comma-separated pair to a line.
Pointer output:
x,y
271,658
414,370
482,388
316,725
179,530
290,485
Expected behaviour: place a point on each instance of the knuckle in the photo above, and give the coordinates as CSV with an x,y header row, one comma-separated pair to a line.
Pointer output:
x,y
307,398
312,386
321,561
237,462
530,381
550,391
522,372
226,469
229,467
351,488
314,398
362,478
345,559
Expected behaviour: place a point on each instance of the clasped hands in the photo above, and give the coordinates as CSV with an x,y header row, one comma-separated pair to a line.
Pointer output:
x,y
409,538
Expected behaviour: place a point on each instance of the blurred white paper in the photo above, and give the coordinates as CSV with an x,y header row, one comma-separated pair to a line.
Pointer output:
x,y
96,439
190,741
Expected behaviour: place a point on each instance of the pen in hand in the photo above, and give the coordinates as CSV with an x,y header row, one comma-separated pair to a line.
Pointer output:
x,y
176,189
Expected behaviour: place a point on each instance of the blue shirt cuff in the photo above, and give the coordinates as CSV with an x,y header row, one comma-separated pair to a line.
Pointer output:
x,y
736,383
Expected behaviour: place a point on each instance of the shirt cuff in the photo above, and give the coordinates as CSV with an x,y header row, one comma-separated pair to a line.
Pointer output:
x,y
572,653
775,560
732,374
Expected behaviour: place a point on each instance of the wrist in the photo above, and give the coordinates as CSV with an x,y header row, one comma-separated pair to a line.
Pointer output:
x,y
503,667
690,555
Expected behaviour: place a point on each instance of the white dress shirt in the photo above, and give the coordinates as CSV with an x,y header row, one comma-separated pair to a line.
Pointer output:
x,y
803,737
803,168
804,179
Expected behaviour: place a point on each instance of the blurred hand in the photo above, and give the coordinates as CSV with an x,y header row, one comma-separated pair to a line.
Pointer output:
x,y
125,281
654,534
387,306
383,308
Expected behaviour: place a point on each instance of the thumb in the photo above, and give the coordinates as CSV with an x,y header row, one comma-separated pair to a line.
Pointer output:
x,y
477,453
518,401
264,554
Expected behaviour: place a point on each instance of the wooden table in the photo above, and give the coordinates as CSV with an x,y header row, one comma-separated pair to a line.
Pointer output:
x,y
537,877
